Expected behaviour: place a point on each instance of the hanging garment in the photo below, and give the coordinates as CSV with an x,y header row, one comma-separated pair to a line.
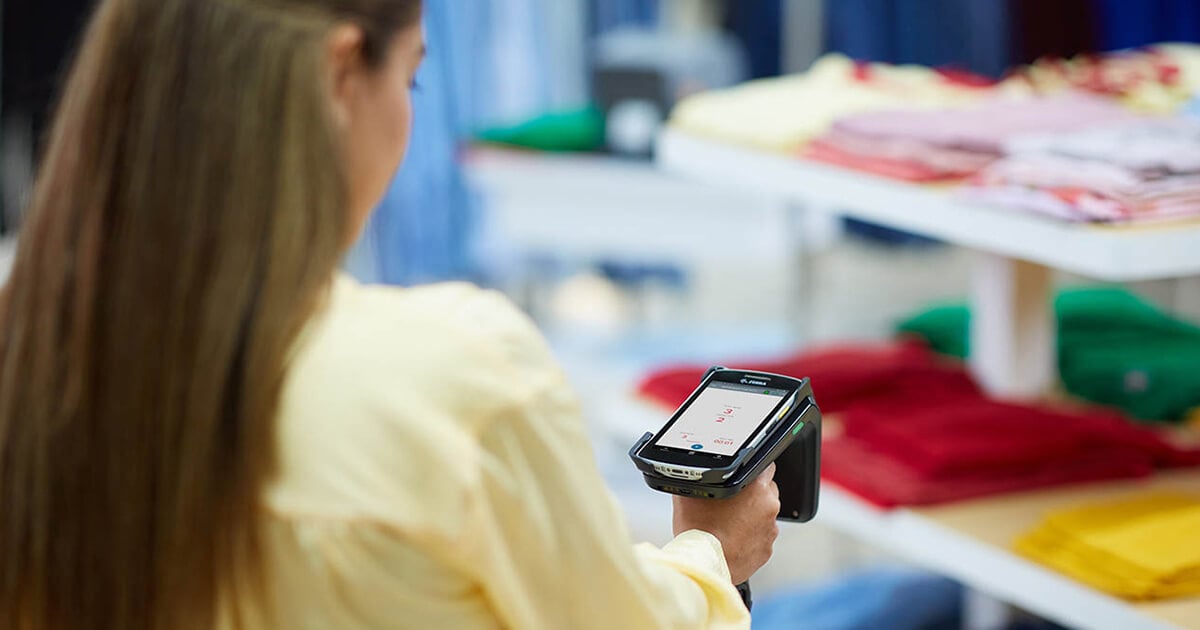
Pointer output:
x,y
1059,29
423,229
885,597
1124,24
927,32
758,26
562,28
609,15
37,40
489,62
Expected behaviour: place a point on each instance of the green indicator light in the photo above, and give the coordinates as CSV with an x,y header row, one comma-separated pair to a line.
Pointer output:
x,y
766,391
797,429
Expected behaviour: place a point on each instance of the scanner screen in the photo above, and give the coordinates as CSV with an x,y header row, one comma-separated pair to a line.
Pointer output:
x,y
722,418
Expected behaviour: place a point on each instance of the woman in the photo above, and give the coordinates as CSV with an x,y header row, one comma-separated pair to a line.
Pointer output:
x,y
201,425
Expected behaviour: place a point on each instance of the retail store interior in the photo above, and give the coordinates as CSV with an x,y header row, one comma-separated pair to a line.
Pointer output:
x,y
974,225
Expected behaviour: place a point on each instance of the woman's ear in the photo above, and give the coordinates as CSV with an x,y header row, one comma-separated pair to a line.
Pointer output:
x,y
344,59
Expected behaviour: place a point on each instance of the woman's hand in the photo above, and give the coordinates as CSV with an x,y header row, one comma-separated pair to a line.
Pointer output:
x,y
745,523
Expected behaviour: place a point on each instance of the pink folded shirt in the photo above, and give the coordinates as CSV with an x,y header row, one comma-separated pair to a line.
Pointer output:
x,y
1086,190
987,127
1151,146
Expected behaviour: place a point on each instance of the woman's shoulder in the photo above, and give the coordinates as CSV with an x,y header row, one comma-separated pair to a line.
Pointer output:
x,y
388,384
452,345
445,332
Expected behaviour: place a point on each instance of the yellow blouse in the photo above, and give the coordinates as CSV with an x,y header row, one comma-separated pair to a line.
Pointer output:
x,y
435,473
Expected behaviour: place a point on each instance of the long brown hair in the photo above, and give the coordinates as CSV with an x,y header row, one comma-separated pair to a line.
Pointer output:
x,y
189,213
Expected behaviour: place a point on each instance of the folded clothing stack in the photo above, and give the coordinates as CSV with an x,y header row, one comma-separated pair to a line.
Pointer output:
x,y
1114,348
1156,79
952,144
783,114
1138,548
1141,171
923,454
786,113
916,429
842,376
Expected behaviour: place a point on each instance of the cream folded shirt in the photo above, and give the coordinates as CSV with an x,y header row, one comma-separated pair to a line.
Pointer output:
x,y
435,473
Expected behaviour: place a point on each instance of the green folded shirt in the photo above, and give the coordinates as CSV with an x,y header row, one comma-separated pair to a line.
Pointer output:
x,y
574,130
1113,348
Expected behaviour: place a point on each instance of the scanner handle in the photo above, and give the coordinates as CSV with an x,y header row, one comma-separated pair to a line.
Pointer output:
x,y
744,590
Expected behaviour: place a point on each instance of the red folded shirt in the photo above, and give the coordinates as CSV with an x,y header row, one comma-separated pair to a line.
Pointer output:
x,y
888,482
841,375
981,436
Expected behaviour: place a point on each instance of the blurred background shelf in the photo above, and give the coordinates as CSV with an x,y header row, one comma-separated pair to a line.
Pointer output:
x,y
555,214
1122,254
596,205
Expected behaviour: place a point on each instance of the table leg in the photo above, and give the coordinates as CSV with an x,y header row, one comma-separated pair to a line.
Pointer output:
x,y
1186,301
1013,350
984,612
801,303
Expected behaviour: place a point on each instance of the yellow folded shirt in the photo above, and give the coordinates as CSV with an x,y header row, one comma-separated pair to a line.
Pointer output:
x,y
782,114
1067,557
1140,548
